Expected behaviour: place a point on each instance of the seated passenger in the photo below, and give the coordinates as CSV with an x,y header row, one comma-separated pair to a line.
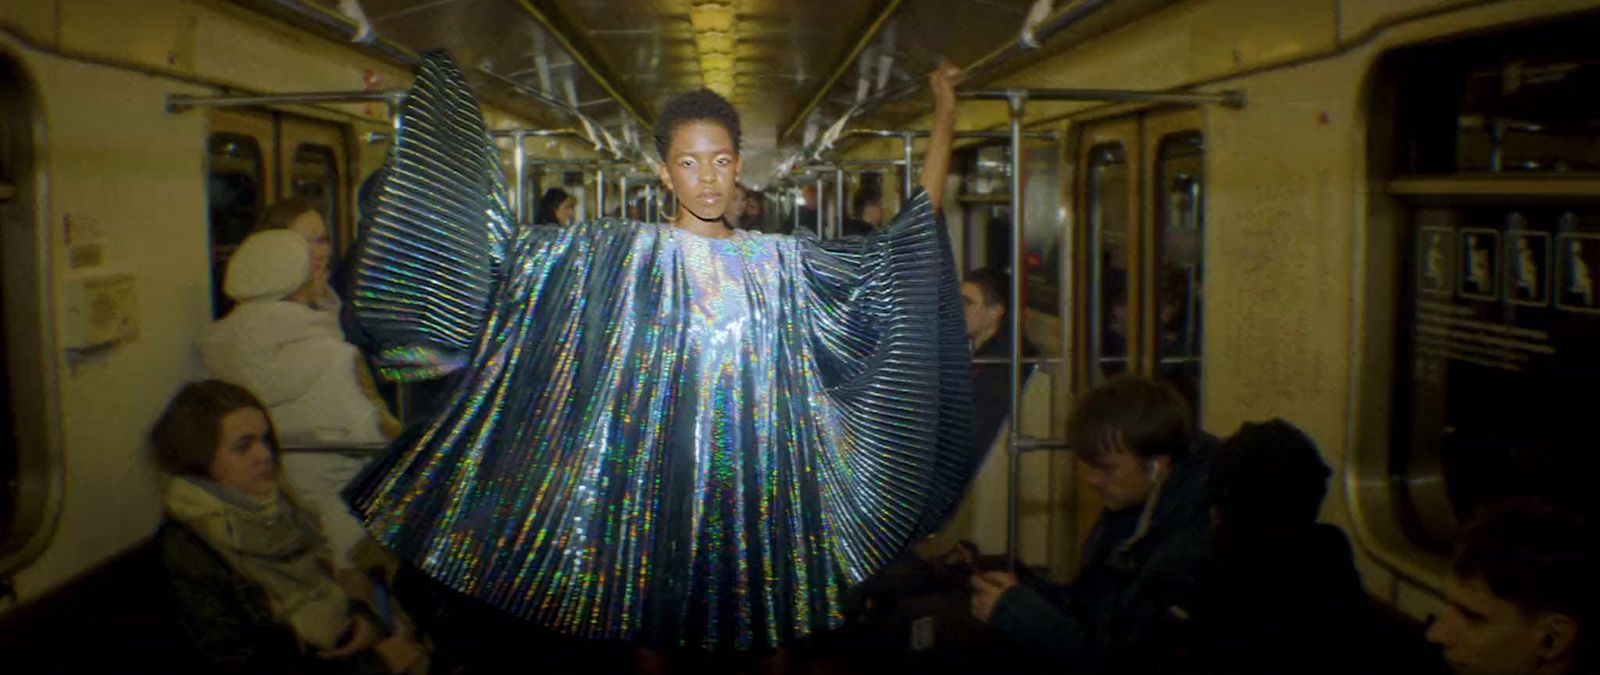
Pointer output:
x,y
1521,592
249,567
294,357
1282,594
1135,441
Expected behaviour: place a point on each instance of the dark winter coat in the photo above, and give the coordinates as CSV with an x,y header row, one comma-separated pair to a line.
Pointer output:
x,y
1118,616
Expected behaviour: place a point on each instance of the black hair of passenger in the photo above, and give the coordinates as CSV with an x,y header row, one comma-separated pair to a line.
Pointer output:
x,y
548,203
186,435
1152,416
694,106
863,198
1268,476
994,284
1535,555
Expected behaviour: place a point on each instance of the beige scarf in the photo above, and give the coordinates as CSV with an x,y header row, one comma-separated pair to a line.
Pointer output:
x,y
274,544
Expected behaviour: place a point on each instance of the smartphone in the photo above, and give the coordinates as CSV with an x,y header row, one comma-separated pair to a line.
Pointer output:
x,y
383,606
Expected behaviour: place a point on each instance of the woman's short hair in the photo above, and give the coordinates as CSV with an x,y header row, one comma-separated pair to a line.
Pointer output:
x,y
186,435
700,104
548,203
285,211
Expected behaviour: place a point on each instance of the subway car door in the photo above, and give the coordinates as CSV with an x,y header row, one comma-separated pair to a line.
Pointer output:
x,y
239,163
313,162
1174,251
1138,257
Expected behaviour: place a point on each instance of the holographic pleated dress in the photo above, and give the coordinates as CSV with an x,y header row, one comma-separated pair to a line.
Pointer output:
x,y
657,436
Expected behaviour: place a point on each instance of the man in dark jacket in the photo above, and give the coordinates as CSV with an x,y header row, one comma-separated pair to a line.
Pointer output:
x,y
1521,593
986,299
1282,593
1137,447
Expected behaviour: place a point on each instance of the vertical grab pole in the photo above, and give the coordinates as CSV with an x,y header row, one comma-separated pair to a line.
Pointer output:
x,y
519,196
838,202
907,139
1017,100
794,208
599,190
819,205
622,194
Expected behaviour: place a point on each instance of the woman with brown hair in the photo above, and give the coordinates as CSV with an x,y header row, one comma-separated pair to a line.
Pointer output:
x,y
250,568
303,216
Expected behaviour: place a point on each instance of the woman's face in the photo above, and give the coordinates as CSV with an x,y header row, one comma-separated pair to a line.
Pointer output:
x,y
311,226
244,459
564,211
701,167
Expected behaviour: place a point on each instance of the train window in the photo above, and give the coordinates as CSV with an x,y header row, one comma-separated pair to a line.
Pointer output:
x,y
1043,227
1503,313
10,470
1520,102
235,196
1180,237
1498,162
1110,224
30,462
314,175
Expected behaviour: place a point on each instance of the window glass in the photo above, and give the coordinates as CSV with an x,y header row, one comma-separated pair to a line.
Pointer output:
x,y
1180,237
1109,223
314,175
234,196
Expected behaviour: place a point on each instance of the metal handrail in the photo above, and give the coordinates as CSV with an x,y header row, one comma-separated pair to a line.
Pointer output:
x,y
177,103
1231,98
337,448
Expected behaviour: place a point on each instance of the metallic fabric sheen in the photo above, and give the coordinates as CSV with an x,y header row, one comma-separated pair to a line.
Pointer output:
x,y
657,435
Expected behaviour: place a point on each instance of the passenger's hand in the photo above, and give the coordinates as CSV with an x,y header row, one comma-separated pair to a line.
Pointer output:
x,y
362,636
943,82
987,587
402,653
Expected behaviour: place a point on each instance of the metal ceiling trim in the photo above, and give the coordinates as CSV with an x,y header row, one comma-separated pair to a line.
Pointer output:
x,y
1033,40
560,27
347,29
866,37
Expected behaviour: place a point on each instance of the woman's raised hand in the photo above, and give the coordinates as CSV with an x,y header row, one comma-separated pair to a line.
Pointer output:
x,y
943,81
936,160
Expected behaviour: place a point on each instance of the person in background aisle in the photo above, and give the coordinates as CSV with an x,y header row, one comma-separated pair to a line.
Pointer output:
x,y
866,212
986,301
556,207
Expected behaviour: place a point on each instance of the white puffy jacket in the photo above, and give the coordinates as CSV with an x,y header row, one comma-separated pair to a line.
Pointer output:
x,y
294,358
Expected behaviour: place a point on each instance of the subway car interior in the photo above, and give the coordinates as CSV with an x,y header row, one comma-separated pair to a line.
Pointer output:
x,y
1280,324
